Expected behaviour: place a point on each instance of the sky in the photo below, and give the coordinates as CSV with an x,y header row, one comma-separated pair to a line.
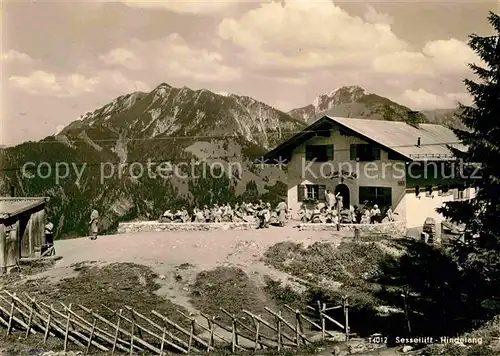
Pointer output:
x,y
62,59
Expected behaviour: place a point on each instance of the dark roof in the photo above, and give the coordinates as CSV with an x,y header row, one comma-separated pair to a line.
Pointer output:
x,y
395,136
10,206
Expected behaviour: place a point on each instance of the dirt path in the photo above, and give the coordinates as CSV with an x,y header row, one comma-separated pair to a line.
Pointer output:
x,y
203,250
177,257
164,250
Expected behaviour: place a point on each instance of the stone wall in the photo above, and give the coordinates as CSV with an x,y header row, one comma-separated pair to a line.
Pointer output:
x,y
154,226
396,228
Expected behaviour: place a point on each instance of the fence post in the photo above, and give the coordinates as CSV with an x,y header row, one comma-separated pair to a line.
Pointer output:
x,y
91,335
297,326
30,320
11,316
47,327
132,336
233,339
163,340
257,337
407,316
66,333
346,316
278,327
191,336
323,324
321,309
117,332
211,327
135,321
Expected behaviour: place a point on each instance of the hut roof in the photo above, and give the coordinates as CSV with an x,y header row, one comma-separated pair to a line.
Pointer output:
x,y
11,206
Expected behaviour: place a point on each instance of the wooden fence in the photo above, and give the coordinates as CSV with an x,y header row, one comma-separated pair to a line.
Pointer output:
x,y
132,332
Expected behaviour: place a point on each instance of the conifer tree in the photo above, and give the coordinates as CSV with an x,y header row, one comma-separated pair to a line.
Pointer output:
x,y
479,254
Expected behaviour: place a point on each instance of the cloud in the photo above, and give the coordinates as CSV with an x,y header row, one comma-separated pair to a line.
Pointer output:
x,y
309,37
421,99
450,56
173,57
374,17
13,56
43,83
186,6
124,57
312,35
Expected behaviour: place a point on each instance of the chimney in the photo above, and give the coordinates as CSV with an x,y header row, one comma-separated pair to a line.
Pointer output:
x,y
418,142
12,191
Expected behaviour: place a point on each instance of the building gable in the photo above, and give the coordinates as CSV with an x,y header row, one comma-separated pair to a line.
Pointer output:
x,y
320,132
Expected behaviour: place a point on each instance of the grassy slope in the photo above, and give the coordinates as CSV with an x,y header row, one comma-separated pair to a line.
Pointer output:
x,y
113,286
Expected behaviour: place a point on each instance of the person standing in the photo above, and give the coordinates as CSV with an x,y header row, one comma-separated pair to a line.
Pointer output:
x,y
217,214
330,198
327,199
49,234
282,210
207,213
375,214
268,214
340,202
94,228
262,216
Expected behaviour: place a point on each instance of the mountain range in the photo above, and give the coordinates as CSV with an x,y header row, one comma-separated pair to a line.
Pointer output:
x,y
356,102
106,148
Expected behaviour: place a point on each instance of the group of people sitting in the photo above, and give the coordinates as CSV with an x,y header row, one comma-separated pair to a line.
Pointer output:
x,y
332,211
244,212
324,213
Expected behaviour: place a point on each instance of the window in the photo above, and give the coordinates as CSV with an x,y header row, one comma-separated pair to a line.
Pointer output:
x,y
376,195
319,153
428,191
393,156
417,190
364,152
312,192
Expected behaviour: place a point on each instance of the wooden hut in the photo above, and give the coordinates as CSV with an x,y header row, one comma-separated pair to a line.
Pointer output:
x,y
22,229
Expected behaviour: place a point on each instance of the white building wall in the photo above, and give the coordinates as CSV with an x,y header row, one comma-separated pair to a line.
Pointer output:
x,y
423,206
382,173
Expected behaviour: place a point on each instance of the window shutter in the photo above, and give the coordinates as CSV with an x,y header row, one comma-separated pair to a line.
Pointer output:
x,y
354,153
329,152
301,190
321,193
376,153
309,153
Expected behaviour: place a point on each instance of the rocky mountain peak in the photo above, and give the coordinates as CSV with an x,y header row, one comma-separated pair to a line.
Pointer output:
x,y
169,111
163,86
339,96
